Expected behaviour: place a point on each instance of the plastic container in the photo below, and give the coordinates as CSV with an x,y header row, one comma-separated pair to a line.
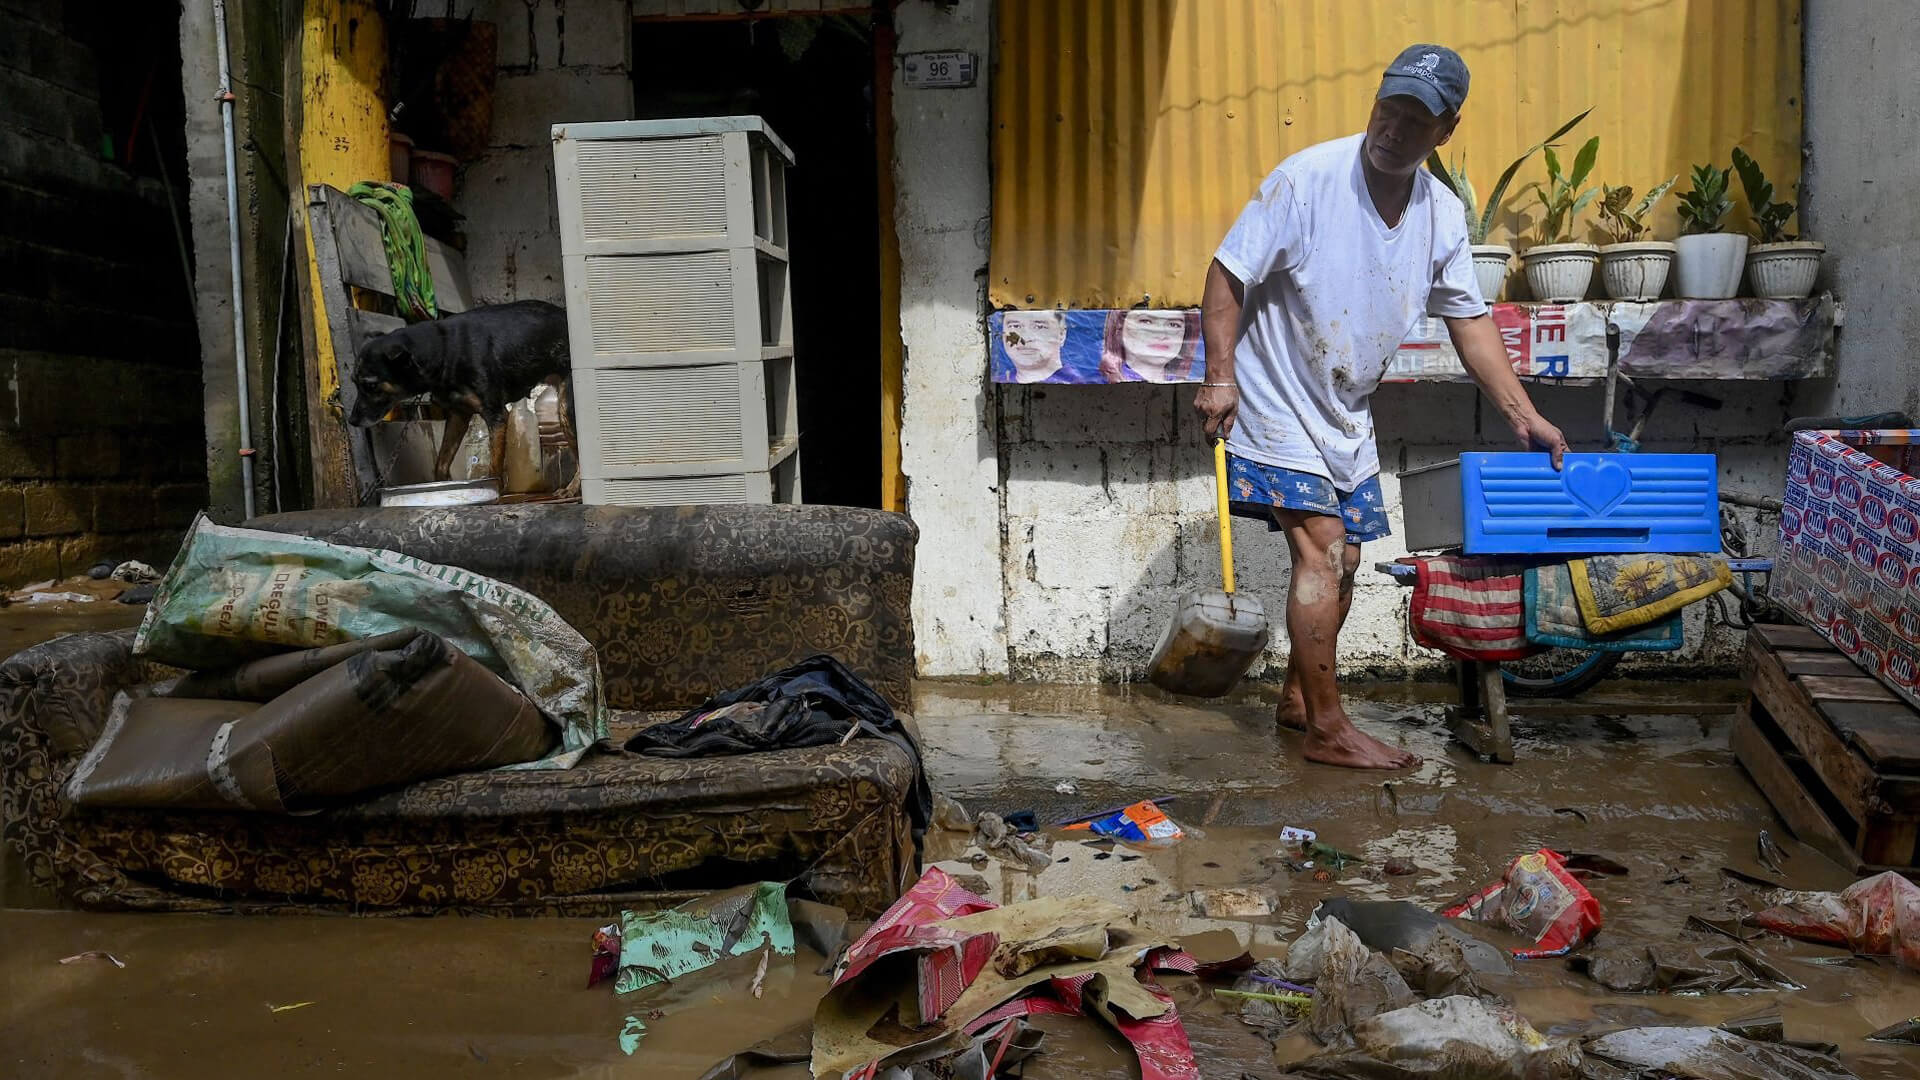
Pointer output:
x,y
522,459
434,172
442,493
1599,504
1210,643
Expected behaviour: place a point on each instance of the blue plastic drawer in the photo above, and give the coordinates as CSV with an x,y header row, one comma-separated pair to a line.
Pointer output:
x,y
1516,504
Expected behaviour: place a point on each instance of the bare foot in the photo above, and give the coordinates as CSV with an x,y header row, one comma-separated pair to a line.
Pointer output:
x,y
1292,713
1343,744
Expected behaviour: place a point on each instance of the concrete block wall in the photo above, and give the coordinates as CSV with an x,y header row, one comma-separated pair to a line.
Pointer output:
x,y
101,444
1854,198
561,61
1108,513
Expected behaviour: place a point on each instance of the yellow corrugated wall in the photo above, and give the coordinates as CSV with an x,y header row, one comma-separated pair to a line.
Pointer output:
x,y
1128,133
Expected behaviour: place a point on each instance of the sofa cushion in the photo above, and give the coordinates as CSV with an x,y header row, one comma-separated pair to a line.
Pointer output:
x,y
617,830
681,602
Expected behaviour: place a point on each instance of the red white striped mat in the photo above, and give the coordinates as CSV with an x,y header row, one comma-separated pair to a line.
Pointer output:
x,y
1471,608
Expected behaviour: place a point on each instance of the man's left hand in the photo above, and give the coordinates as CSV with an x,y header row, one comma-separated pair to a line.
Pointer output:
x,y
1536,433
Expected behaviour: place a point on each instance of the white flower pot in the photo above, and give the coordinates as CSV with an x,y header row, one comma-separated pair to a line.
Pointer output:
x,y
1707,265
1636,270
1560,273
1490,265
1784,271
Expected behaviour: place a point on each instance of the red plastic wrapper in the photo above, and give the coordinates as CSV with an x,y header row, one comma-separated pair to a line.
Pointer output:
x,y
1538,899
1879,916
606,954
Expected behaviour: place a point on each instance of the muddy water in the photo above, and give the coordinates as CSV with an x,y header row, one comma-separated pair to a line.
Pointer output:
x,y
446,997
25,625
1658,793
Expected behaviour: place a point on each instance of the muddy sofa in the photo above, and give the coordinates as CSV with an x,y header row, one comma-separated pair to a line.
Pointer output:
x,y
681,602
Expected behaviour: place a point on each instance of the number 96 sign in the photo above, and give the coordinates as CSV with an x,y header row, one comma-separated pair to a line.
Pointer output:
x,y
938,70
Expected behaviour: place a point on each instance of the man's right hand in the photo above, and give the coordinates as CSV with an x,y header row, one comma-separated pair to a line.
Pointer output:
x,y
1218,406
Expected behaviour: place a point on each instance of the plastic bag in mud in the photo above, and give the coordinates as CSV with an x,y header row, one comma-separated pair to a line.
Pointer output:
x,y
1702,1053
235,595
1450,1037
1879,916
1539,900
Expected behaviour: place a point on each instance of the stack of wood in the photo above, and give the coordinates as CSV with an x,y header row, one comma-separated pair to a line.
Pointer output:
x,y
1834,750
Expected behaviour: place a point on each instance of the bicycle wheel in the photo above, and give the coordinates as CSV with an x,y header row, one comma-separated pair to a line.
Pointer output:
x,y
1557,672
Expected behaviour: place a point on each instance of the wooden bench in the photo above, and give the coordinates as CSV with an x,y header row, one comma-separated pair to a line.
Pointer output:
x,y
1834,750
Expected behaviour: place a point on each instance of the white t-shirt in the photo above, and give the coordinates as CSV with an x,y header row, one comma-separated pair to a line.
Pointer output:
x,y
1331,292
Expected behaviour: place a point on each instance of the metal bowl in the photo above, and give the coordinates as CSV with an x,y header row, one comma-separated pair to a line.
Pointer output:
x,y
442,493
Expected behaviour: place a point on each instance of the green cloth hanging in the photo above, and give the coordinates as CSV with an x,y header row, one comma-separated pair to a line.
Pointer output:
x,y
406,246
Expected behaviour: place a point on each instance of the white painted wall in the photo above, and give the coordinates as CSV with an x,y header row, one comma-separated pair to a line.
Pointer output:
x,y
947,445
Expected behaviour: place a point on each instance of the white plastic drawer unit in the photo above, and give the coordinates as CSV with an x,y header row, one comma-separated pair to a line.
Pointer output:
x,y
674,247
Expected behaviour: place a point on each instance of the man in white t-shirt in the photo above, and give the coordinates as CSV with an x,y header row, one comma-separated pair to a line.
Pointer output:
x,y
1346,245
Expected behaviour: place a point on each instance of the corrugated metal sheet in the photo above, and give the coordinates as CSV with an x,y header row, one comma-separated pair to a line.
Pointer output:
x,y
1128,133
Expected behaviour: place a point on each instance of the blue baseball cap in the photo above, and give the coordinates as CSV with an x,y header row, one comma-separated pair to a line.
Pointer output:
x,y
1433,73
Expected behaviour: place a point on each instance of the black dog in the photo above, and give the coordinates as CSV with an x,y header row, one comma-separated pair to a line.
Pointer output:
x,y
475,363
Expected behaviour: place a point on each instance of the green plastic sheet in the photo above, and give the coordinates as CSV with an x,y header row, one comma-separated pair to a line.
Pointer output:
x,y
660,946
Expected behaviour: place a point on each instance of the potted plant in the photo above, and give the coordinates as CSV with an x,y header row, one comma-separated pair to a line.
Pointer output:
x,y
1490,261
1780,266
1707,261
1632,268
1560,270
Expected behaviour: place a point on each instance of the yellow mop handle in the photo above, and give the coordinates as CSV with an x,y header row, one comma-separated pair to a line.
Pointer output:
x,y
1226,530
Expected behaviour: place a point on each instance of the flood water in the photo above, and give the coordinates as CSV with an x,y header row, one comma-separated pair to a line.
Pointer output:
x,y
1659,793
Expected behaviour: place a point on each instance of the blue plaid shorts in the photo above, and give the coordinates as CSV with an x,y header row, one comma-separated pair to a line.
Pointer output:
x,y
1253,490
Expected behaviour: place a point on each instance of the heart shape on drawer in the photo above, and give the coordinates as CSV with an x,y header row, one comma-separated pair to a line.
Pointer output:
x,y
1598,486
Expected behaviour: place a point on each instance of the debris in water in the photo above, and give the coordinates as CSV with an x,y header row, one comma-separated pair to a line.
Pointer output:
x,y
1142,823
1296,836
606,954
760,973
133,572
1771,853
1332,856
287,1008
93,954
1066,787
997,839
1906,1031
1673,968
664,945
1296,1001
1399,867
1323,876
949,815
1238,903
1538,899
1879,916
1570,810
630,1035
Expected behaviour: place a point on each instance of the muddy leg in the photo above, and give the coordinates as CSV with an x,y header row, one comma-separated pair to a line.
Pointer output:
x,y
456,430
1292,713
1317,602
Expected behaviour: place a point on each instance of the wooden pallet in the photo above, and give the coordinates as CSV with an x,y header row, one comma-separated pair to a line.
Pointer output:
x,y
1834,751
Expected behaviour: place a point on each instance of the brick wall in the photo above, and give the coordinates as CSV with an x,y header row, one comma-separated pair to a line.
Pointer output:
x,y
101,440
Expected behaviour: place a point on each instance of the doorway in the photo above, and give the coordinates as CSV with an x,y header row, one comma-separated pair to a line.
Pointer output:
x,y
811,78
